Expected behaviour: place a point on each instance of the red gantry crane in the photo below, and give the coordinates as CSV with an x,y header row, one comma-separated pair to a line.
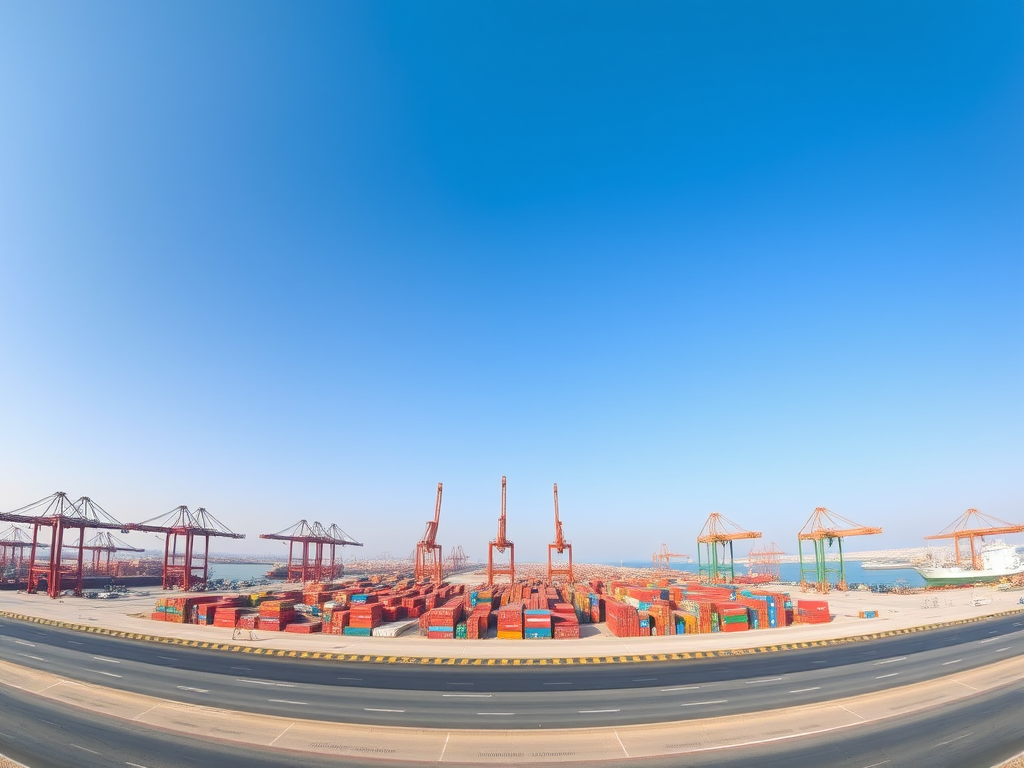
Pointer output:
x,y
822,528
322,563
561,546
500,544
13,543
58,513
662,560
106,543
720,531
764,564
457,560
429,561
188,569
970,525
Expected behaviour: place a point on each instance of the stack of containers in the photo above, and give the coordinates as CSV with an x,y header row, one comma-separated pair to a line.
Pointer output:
x,y
248,620
339,620
229,616
363,617
733,617
510,621
564,623
414,606
476,624
305,626
537,624
275,614
442,621
661,620
813,612
622,618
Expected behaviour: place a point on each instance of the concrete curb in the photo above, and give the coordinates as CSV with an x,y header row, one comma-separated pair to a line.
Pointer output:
x,y
505,662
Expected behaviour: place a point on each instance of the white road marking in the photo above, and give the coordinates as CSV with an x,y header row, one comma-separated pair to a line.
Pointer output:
x,y
964,736
25,642
286,701
987,640
98,672
890,661
243,669
357,679
997,650
466,695
620,742
445,747
891,674
170,658
84,749
763,680
74,642
135,765
875,765
505,714
197,690
596,711
805,690
643,679
282,733
954,661
372,709
264,682
702,703
39,658
109,661
684,688
822,661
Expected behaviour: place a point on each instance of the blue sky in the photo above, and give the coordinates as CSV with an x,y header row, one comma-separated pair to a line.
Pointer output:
x,y
677,257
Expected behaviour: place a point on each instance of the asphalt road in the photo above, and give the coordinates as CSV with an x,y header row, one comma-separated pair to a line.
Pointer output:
x,y
502,698
978,732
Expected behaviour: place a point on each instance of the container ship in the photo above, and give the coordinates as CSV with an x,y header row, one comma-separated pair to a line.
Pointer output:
x,y
998,560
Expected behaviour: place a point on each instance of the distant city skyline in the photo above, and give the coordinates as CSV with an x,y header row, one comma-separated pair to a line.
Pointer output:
x,y
677,257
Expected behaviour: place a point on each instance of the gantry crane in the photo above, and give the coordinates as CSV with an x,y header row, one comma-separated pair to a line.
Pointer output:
x,y
765,562
719,531
500,544
970,525
662,560
824,527
429,561
457,560
561,546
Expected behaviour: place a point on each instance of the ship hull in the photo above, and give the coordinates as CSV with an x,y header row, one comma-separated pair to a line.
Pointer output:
x,y
951,577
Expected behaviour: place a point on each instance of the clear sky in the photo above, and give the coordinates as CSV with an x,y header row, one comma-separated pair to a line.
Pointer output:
x,y
307,261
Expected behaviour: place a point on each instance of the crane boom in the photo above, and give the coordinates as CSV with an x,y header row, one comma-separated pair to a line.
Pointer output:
x,y
501,541
500,544
430,535
559,538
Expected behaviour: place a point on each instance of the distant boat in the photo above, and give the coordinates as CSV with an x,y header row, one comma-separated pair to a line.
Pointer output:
x,y
885,565
998,560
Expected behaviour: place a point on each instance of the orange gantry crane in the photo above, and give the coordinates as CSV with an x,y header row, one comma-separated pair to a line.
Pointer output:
x,y
561,546
823,528
429,561
500,544
764,563
319,557
719,531
970,525
457,560
662,559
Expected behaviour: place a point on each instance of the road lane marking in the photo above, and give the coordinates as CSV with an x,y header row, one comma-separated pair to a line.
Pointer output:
x,y
99,672
466,695
170,658
254,682
762,680
74,642
242,669
109,661
39,658
135,765
954,661
997,650
702,703
890,661
502,714
197,690
684,688
374,709
987,640
84,749
875,765
643,679
891,674
25,642
445,747
964,736
282,733
596,711
287,701
821,661
357,679
805,690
